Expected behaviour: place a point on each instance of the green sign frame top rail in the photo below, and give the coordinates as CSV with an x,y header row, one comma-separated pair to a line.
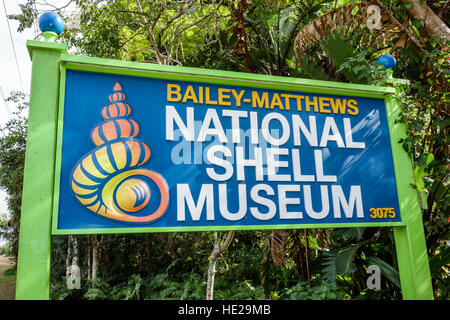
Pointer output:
x,y
42,177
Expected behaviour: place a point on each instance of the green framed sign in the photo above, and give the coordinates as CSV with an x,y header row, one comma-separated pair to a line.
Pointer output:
x,y
138,147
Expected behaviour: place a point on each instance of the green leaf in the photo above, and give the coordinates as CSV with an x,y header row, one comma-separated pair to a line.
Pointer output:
x,y
386,270
339,262
344,259
340,51
438,261
439,190
329,264
419,173
405,146
443,123
349,233
355,10
313,70
95,294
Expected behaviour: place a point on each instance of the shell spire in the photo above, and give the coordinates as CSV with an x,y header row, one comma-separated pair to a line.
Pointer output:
x,y
117,87
117,125
104,181
117,107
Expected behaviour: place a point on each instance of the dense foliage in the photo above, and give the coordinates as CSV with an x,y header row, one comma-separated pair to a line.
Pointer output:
x,y
12,160
262,37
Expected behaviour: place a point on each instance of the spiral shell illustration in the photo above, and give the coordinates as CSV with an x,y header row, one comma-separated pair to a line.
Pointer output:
x,y
110,180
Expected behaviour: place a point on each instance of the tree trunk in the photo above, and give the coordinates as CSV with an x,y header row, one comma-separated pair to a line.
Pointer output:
x,y
75,251
94,263
211,275
217,251
432,24
88,262
96,243
308,262
69,256
75,268
73,275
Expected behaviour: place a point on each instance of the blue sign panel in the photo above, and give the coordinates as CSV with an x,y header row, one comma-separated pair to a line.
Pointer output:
x,y
143,152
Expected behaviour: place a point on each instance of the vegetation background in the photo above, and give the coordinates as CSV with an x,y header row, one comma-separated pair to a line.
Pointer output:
x,y
326,40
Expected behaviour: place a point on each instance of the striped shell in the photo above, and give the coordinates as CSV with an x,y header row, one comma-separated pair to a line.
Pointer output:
x,y
109,180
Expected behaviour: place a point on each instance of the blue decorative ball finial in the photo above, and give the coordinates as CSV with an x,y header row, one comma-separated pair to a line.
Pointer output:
x,y
51,25
387,60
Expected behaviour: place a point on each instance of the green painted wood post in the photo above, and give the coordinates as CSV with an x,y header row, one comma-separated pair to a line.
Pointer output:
x,y
412,257
33,269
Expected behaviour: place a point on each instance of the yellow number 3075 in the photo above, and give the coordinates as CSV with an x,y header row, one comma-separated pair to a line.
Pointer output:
x,y
380,213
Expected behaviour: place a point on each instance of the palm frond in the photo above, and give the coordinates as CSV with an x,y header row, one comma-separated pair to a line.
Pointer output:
x,y
278,245
339,261
349,18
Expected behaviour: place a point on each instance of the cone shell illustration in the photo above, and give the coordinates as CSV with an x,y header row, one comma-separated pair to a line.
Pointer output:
x,y
110,180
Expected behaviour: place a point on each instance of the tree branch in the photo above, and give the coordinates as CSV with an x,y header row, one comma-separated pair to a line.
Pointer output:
x,y
432,24
401,26
186,8
159,57
443,9
225,244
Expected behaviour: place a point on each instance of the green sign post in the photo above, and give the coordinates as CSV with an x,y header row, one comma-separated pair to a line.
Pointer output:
x,y
50,62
